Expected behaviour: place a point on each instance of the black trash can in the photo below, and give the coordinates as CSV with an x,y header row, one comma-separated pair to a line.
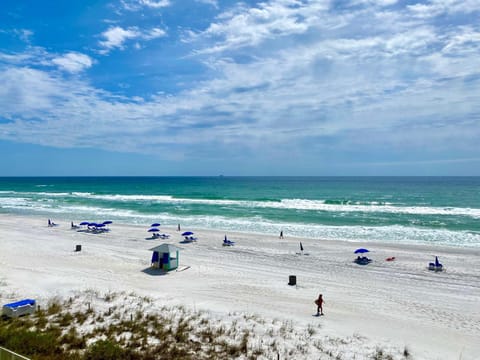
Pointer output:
x,y
78,248
292,280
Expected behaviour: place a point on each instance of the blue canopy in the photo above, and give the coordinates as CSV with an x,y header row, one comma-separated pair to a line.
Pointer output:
x,y
186,233
155,224
93,224
153,230
21,303
84,223
107,222
361,251
100,225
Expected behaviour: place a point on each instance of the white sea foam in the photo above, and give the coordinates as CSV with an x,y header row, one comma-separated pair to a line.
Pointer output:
x,y
320,205
395,233
287,204
255,224
12,203
298,204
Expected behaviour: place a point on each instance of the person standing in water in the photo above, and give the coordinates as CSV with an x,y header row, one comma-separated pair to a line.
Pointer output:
x,y
281,234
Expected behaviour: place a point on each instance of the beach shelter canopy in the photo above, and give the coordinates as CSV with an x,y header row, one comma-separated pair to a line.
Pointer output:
x,y
153,230
84,223
155,224
166,248
107,222
361,251
187,233
165,257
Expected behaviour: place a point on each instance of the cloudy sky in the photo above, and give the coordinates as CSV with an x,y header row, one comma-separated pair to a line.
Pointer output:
x,y
208,87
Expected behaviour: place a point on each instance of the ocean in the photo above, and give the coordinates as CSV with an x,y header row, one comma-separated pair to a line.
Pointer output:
x,y
415,210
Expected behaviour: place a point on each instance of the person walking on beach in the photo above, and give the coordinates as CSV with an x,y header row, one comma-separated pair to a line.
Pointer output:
x,y
178,228
281,234
319,303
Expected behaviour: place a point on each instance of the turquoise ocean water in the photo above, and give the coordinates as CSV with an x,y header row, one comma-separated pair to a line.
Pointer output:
x,y
422,210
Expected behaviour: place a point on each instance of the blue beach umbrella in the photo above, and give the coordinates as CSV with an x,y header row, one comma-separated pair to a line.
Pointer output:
x,y
155,224
93,224
186,233
100,225
84,223
153,230
107,222
361,251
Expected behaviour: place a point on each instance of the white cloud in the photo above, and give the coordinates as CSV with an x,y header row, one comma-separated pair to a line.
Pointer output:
x,y
115,37
155,4
73,62
214,3
14,58
136,5
153,34
433,8
251,26
283,74
24,34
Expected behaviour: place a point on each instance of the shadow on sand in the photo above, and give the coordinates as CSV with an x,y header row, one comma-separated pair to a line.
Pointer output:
x,y
154,272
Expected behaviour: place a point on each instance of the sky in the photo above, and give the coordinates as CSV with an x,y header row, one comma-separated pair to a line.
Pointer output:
x,y
210,87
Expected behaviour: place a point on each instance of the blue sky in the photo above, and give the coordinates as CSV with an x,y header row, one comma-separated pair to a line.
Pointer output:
x,y
208,87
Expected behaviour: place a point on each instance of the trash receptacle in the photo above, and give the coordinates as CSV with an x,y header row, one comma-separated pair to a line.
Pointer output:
x,y
292,280
78,248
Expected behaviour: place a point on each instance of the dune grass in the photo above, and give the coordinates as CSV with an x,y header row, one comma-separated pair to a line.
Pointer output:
x,y
125,326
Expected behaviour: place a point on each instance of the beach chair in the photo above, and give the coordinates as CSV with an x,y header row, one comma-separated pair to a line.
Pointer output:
x,y
436,266
362,260
227,242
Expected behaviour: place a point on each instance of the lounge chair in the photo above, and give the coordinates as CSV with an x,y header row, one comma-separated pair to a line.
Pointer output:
x,y
362,260
436,266
186,239
227,242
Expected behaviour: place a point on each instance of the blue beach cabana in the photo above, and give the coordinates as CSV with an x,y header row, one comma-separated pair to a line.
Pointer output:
x,y
165,257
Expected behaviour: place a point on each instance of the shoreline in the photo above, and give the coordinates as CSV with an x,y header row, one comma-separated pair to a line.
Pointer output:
x,y
358,243
400,302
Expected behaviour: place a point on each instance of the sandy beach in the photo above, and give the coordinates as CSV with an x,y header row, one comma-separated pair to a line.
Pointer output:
x,y
393,304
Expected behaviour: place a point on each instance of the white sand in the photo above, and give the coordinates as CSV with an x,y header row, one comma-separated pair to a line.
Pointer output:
x,y
391,304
